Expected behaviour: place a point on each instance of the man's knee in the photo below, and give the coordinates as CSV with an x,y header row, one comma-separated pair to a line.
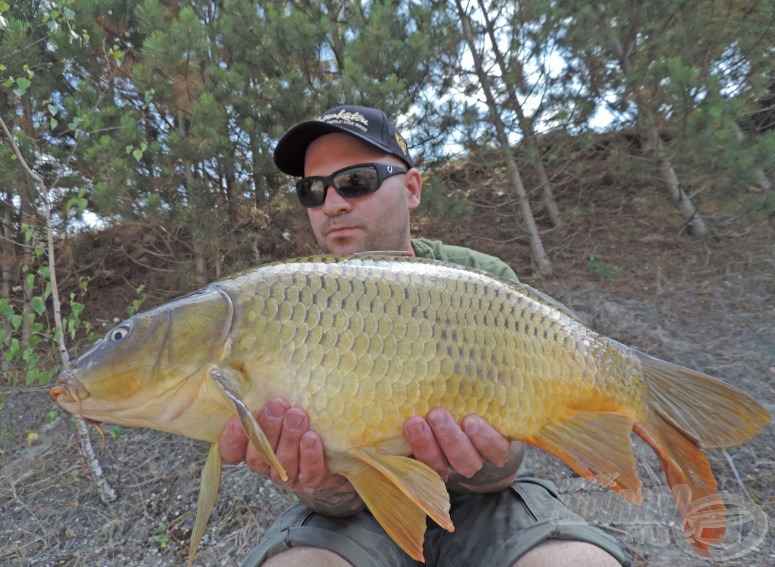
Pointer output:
x,y
565,553
306,556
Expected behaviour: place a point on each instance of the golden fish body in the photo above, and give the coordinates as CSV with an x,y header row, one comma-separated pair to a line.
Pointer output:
x,y
362,343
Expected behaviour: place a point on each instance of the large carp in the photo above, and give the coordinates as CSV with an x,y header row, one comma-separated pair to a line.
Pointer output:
x,y
364,342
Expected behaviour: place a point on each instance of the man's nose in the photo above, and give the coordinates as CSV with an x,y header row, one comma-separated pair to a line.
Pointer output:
x,y
335,204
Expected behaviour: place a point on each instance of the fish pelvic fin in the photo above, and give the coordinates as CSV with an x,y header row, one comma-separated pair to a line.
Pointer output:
x,y
687,412
227,384
208,493
400,492
596,445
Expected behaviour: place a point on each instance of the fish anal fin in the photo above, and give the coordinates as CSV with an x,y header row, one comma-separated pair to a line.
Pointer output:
x,y
227,384
596,445
690,479
398,514
208,494
415,480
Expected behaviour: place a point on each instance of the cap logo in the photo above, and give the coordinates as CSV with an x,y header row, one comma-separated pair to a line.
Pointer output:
x,y
401,142
355,119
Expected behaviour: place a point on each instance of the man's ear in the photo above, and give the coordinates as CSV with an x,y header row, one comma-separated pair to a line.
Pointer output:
x,y
413,184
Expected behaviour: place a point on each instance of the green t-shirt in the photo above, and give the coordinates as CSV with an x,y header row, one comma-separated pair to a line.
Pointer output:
x,y
437,250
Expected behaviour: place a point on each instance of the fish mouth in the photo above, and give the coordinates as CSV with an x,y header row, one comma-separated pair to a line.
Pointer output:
x,y
68,390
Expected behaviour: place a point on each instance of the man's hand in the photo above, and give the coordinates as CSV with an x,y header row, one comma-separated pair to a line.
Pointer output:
x,y
473,457
300,451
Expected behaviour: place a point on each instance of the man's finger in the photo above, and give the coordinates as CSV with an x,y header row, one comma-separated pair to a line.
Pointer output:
x,y
271,418
312,464
295,424
457,448
425,448
233,442
487,440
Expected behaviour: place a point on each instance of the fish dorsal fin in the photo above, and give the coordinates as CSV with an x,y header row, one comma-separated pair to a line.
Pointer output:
x,y
390,253
208,493
228,386
595,444
400,491
541,297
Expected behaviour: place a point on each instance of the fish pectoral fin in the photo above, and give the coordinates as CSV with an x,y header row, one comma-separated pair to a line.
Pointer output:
x,y
396,504
208,493
416,480
252,429
595,444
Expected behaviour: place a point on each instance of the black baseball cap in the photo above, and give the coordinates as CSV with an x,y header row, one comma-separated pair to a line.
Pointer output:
x,y
369,124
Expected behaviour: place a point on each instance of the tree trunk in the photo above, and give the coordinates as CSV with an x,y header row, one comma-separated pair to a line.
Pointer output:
x,y
528,133
540,257
6,254
762,180
5,246
200,262
682,200
758,172
693,219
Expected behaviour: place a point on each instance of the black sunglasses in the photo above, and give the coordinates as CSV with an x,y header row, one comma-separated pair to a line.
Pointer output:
x,y
350,182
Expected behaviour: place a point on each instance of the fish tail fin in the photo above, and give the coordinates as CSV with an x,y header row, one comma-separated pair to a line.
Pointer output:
x,y
687,412
400,492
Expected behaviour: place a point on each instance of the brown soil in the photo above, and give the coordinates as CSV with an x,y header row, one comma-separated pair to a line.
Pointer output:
x,y
623,264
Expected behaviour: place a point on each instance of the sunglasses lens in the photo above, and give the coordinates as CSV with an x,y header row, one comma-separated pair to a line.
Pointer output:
x,y
312,192
357,182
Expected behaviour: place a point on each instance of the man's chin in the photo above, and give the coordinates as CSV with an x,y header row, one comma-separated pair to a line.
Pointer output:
x,y
344,246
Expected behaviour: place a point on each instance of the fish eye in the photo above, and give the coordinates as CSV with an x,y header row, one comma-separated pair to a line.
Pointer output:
x,y
119,333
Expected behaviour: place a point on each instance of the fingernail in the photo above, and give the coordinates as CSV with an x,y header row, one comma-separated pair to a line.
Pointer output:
x,y
471,424
437,419
293,421
416,429
308,442
275,410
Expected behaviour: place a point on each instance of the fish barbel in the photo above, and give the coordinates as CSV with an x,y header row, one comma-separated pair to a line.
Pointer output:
x,y
362,343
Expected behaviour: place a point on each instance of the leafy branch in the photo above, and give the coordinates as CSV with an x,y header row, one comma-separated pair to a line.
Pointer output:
x,y
106,492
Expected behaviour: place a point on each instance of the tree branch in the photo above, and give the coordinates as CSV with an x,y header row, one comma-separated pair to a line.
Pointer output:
x,y
106,492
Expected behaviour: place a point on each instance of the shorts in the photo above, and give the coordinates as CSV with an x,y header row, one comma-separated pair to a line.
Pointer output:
x,y
490,529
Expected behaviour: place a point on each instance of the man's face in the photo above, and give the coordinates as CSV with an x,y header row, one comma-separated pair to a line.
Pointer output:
x,y
379,221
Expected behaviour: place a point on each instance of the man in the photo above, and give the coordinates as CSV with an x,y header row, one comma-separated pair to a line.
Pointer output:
x,y
356,206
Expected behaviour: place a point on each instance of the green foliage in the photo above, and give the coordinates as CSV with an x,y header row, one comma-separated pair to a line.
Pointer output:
x,y
137,302
160,536
439,201
115,431
166,113
28,337
603,270
24,333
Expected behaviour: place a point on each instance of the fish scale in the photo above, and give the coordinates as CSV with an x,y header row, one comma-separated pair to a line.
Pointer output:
x,y
363,343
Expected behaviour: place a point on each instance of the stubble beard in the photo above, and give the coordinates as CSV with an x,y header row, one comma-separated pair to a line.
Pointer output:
x,y
392,234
